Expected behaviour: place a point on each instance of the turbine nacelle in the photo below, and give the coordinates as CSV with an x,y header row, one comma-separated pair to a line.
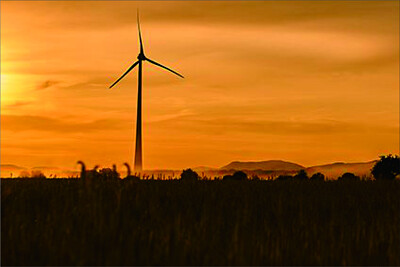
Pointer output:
x,y
141,56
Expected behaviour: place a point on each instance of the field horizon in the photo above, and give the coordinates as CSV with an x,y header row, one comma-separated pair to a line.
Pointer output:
x,y
263,168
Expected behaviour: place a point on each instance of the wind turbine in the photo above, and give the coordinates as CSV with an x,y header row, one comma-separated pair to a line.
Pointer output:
x,y
141,57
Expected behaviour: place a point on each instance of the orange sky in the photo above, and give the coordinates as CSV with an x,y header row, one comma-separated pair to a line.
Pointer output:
x,y
304,81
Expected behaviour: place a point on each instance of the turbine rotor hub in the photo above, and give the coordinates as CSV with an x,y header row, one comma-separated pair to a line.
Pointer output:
x,y
141,56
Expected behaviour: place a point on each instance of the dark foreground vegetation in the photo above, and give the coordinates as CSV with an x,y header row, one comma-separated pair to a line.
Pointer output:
x,y
130,222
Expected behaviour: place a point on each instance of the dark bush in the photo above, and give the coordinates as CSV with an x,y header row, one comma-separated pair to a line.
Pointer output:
x,y
227,177
189,175
24,174
108,174
386,168
317,177
237,176
38,174
301,175
284,177
348,176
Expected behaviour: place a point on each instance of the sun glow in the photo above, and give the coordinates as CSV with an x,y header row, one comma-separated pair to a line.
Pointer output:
x,y
263,80
4,82
13,90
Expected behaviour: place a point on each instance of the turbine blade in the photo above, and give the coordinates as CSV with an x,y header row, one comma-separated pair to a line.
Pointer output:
x,y
126,72
158,64
140,34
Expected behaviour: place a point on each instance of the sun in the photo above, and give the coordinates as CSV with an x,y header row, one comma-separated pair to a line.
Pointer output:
x,y
7,95
4,81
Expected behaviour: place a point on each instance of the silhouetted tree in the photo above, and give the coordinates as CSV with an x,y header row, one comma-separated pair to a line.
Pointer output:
x,y
237,176
317,177
38,174
386,168
348,176
284,177
108,174
227,177
189,175
301,175
24,174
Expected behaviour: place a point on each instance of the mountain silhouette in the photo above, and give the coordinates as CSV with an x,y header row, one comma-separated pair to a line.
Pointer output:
x,y
269,165
7,169
204,168
337,169
11,167
45,168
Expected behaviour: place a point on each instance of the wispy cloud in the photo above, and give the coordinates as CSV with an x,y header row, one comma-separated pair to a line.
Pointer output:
x,y
271,127
47,84
257,74
17,104
19,123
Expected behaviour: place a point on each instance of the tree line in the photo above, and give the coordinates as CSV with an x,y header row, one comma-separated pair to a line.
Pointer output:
x,y
387,168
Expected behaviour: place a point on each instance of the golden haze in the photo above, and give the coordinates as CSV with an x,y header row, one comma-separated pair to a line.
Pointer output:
x,y
304,81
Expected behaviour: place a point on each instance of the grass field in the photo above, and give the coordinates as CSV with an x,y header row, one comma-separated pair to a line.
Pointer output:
x,y
65,222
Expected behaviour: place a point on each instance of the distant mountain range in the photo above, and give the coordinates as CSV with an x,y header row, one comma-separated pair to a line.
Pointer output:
x,y
269,165
337,169
332,170
11,167
261,168
8,170
45,168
